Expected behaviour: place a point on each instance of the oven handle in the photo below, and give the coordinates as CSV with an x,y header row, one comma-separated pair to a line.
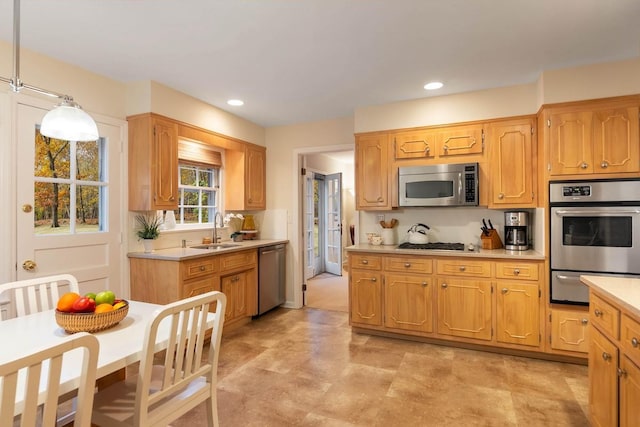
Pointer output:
x,y
595,212
563,277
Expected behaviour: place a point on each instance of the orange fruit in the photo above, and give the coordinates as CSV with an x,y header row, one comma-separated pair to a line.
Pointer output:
x,y
103,308
66,301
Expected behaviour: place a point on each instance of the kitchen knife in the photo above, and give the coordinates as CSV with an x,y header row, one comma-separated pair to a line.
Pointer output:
x,y
486,229
490,225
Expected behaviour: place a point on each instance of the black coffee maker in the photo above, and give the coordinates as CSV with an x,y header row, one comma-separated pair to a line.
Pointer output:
x,y
516,231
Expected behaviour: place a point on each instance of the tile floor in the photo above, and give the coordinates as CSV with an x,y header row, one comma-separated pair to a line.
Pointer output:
x,y
307,368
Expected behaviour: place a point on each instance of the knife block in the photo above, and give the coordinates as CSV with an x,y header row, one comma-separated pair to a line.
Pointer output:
x,y
492,241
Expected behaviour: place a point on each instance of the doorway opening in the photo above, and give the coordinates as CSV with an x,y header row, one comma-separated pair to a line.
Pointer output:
x,y
328,213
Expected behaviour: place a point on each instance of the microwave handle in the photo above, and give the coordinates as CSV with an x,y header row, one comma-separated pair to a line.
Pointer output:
x,y
460,189
595,212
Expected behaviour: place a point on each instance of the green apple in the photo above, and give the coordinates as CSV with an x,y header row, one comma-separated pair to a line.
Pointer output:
x,y
105,297
91,295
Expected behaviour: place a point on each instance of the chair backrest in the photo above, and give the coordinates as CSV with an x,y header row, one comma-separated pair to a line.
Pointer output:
x,y
187,322
23,377
39,294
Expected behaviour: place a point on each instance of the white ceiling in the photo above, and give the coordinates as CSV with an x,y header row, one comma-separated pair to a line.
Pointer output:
x,y
294,61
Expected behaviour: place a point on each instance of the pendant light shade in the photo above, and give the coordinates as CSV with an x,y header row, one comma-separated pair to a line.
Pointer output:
x,y
70,123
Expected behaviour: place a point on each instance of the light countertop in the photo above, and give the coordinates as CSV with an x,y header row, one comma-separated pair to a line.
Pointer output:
x,y
178,254
477,253
624,291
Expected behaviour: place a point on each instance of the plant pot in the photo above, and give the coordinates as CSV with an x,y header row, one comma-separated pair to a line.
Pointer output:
x,y
148,245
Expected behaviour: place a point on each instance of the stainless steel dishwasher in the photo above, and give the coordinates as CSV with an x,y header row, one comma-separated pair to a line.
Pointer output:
x,y
271,277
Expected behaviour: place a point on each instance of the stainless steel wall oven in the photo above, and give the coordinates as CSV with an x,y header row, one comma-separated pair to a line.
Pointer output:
x,y
594,229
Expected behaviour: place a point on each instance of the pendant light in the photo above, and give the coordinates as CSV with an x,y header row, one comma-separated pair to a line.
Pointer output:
x,y
67,121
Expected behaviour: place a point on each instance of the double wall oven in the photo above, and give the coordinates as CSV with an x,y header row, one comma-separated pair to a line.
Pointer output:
x,y
595,230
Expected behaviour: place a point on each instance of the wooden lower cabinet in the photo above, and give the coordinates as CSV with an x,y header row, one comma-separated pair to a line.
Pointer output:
x,y
164,281
614,364
569,330
408,302
464,308
518,313
366,297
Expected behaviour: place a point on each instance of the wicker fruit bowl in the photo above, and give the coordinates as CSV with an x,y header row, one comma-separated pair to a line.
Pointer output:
x,y
90,322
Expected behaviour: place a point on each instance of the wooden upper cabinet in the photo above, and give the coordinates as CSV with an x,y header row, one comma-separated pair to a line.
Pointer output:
x,y
246,178
372,172
594,138
512,172
460,140
418,144
153,163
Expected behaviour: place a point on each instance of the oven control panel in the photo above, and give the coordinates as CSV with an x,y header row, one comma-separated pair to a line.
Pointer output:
x,y
576,190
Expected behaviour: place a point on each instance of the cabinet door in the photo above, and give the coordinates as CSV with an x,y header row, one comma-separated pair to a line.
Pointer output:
x,y
518,311
372,172
464,308
570,143
366,297
255,178
201,286
616,146
419,144
164,165
629,393
408,302
603,381
235,288
570,330
460,140
512,163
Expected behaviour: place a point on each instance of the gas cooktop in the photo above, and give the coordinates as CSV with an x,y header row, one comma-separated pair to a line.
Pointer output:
x,y
436,245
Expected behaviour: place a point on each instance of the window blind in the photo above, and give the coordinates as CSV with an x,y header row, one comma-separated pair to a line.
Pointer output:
x,y
196,153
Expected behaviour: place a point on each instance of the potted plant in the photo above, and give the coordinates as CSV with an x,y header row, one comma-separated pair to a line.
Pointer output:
x,y
149,230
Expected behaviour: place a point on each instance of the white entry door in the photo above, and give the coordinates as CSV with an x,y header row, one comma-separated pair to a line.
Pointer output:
x,y
333,221
69,205
308,224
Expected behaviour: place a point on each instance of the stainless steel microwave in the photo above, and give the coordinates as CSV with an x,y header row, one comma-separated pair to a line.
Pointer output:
x,y
438,185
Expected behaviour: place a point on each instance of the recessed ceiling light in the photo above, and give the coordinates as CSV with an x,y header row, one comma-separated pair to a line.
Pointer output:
x,y
235,102
433,85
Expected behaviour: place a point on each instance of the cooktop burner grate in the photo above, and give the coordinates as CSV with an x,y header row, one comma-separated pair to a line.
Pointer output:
x,y
435,245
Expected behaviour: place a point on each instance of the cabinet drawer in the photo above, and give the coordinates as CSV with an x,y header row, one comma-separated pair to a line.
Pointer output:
x,y
408,264
199,267
517,270
238,260
368,262
604,316
630,337
465,268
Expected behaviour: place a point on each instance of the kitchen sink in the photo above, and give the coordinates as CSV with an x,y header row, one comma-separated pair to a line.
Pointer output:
x,y
215,246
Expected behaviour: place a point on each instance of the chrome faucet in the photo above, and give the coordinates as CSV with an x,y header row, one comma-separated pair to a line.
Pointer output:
x,y
215,226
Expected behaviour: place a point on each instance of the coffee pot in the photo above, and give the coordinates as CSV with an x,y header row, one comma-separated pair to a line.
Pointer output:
x,y
516,231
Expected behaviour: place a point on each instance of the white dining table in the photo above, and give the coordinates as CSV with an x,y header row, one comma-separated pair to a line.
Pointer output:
x,y
120,345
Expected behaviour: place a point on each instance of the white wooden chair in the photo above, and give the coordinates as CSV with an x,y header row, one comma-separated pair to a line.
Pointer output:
x,y
23,376
39,294
159,394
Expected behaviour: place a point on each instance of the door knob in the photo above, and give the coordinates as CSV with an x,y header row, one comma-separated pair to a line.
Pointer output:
x,y
29,265
26,208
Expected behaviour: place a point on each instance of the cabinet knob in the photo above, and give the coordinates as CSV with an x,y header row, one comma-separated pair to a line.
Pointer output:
x,y
604,164
445,148
597,313
463,268
501,196
427,150
584,165
172,198
202,268
516,271
621,372
407,264
585,321
379,199
424,284
250,200
504,290
634,342
365,261
373,279
606,356
444,285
